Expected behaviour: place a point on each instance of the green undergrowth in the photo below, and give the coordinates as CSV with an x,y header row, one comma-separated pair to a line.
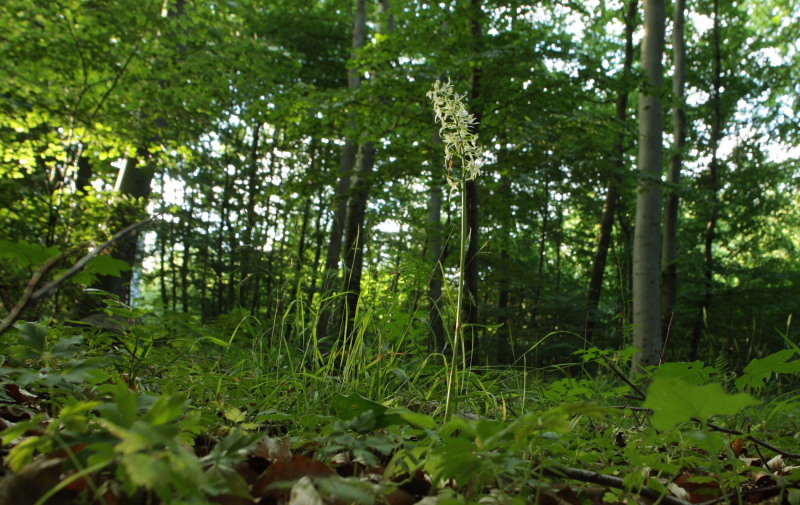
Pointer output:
x,y
172,411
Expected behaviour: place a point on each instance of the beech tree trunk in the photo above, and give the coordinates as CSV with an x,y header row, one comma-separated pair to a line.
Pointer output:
x,y
669,250
647,234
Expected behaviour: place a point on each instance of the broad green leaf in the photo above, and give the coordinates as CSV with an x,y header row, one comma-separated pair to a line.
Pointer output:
x,y
413,418
235,415
695,373
348,407
375,415
146,471
22,453
80,370
67,347
25,253
758,371
33,335
124,409
165,409
674,401
103,264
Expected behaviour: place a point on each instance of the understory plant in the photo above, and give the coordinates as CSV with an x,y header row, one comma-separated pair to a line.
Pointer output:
x,y
460,146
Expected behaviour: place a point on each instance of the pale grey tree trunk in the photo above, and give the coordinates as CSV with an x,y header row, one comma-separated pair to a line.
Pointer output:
x,y
647,235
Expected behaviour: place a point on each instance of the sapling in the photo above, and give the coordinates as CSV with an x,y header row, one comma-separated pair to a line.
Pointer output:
x,y
460,149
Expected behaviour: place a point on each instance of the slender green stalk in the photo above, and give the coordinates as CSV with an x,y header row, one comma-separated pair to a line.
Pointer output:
x,y
461,143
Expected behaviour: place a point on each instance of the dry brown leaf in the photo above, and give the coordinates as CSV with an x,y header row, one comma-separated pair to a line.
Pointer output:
x,y
19,395
737,446
288,472
776,464
304,492
698,491
273,449
32,482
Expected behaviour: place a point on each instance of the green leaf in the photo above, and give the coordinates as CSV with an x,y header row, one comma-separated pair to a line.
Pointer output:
x,y
25,253
235,415
415,419
374,415
760,370
165,409
674,401
123,411
33,336
101,265
80,370
349,407
146,471
694,373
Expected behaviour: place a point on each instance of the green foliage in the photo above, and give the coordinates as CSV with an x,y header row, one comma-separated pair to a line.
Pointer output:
x,y
227,120
101,265
757,372
26,254
675,401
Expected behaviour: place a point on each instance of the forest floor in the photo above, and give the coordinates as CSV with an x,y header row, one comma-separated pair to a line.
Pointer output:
x,y
142,416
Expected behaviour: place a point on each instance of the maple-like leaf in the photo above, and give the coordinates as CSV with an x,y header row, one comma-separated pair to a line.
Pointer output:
x,y
674,401
758,371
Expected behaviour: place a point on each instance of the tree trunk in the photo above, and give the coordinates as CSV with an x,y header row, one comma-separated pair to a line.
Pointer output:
x,y
342,191
612,190
133,181
435,258
354,228
84,175
713,188
647,234
543,236
669,250
250,252
360,186
318,239
471,270
187,252
504,348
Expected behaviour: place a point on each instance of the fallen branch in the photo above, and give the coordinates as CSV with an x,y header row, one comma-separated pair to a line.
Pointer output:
x,y
27,295
751,438
771,490
32,295
611,481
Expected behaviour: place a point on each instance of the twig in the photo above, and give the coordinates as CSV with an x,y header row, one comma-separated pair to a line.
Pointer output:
x,y
611,481
27,295
31,296
624,378
751,438
632,408
745,492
